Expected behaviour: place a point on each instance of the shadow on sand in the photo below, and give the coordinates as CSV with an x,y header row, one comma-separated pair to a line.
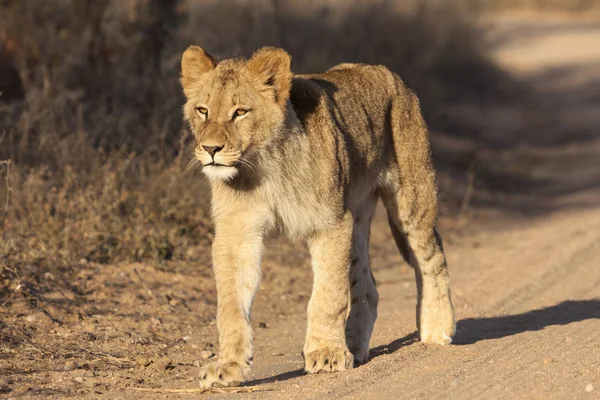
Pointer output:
x,y
472,330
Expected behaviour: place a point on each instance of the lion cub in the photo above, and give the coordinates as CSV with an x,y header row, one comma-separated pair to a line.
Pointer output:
x,y
310,155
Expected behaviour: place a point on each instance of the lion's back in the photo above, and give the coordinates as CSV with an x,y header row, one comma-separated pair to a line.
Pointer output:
x,y
357,99
360,95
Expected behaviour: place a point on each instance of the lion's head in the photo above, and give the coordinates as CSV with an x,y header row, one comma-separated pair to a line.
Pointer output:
x,y
234,107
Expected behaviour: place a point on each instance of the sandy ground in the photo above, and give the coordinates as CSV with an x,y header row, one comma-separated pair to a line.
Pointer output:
x,y
525,273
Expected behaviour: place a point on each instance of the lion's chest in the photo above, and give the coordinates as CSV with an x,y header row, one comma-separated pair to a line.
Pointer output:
x,y
300,214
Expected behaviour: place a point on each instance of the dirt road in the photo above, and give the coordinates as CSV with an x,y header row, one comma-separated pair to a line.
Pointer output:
x,y
526,289
525,271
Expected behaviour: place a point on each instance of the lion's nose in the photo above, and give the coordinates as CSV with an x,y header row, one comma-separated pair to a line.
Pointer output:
x,y
212,150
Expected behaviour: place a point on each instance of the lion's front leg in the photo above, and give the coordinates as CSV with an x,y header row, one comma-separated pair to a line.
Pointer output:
x,y
237,250
325,349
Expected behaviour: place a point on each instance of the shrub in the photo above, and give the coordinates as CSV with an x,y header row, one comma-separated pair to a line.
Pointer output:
x,y
93,129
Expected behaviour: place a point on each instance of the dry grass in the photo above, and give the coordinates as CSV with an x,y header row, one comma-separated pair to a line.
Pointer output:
x,y
91,121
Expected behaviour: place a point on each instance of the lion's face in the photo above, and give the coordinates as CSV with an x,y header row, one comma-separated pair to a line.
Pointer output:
x,y
235,107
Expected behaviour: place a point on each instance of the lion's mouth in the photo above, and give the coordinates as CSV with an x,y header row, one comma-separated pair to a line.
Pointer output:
x,y
221,172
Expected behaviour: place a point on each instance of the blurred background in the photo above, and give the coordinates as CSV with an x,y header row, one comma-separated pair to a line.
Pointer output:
x,y
94,156
90,107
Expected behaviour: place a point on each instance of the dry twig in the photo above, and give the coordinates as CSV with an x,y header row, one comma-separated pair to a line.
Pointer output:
x,y
8,188
150,293
16,289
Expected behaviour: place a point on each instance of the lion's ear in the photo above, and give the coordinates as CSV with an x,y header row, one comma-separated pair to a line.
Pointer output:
x,y
194,63
272,68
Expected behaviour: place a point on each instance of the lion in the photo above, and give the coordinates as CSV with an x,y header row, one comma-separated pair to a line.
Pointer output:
x,y
310,155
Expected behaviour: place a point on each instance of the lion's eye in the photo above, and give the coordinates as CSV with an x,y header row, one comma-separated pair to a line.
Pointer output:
x,y
202,111
239,112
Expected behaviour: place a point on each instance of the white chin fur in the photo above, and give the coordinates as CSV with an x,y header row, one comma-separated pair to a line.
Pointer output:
x,y
220,173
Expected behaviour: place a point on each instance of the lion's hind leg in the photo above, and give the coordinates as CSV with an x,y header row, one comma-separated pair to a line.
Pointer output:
x,y
409,193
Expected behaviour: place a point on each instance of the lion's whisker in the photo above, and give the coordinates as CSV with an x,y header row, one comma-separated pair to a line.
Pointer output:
x,y
193,163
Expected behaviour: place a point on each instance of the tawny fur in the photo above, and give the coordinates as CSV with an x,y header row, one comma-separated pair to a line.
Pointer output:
x,y
310,155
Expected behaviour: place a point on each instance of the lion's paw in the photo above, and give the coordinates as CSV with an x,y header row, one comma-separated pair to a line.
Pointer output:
x,y
328,360
216,374
437,325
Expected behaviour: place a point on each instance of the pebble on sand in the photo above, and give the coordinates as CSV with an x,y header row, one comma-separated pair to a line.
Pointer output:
x,y
206,354
142,361
70,365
